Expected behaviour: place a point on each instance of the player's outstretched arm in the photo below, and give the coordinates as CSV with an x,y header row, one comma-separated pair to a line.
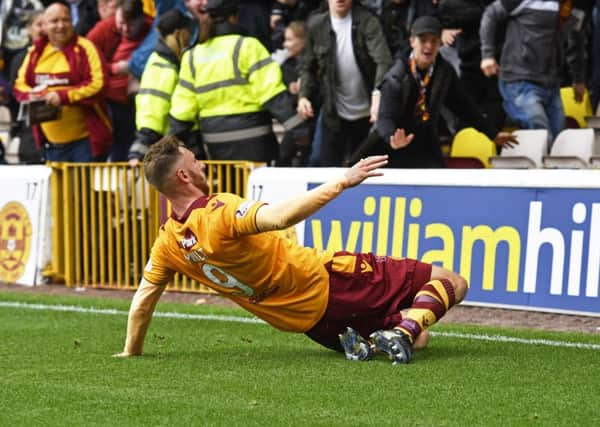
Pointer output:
x,y
287,213
140,313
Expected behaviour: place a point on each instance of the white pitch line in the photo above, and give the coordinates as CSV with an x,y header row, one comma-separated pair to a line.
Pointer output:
x,y
531,341
254,320
92,310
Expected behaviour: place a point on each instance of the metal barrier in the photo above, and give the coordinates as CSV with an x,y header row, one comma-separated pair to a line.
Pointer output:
x,y
105,217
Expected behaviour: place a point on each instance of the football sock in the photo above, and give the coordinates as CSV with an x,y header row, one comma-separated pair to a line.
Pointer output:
x,y
429,305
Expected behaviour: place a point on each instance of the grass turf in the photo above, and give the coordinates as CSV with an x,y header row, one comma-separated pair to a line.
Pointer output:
x,y
57,369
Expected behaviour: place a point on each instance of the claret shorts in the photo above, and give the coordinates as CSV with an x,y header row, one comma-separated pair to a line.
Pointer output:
x,y
367,292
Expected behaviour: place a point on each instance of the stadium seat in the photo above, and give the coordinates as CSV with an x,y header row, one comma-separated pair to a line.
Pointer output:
x,y
573,110
528,154
595,162
470,143
572,149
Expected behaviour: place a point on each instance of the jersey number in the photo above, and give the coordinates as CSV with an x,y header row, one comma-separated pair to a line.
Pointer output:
x,y
222,278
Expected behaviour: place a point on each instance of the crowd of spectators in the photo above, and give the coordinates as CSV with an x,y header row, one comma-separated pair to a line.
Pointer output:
x,y
320,69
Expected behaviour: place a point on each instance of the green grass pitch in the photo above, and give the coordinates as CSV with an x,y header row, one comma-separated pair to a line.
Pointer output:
x,y
57,370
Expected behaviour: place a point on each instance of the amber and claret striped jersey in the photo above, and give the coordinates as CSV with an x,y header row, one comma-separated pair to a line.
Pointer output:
x,y
217,243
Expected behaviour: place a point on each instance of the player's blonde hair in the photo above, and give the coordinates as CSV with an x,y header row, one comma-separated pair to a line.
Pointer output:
x,y
160,159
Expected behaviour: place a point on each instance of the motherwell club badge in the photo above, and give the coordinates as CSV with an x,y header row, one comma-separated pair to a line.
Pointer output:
x,y
15,241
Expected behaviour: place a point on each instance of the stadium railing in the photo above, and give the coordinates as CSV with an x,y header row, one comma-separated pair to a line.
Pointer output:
x,y
105,217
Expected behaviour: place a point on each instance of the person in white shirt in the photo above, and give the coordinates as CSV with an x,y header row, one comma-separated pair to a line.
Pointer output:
x,y
347,55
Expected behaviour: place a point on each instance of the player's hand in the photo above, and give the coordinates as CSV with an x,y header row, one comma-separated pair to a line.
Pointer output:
x,y
489,67
124,354
505,139
400,140
365,168
304,108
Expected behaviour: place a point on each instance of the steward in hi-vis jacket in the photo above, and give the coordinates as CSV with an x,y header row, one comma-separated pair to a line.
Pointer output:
x,y
229,84
153,101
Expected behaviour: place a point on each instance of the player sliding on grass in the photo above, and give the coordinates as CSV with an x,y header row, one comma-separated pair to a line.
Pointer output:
x,y
345,301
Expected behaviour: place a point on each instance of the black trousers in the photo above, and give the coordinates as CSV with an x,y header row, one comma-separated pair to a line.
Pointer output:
x,y
123,122
340,141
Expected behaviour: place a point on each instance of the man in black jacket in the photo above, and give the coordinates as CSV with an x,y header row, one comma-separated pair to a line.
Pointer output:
x,y
397,17
346,53
413,93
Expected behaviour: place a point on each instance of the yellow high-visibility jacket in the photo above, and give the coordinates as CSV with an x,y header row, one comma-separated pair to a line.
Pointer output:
x,y
153,100
232,87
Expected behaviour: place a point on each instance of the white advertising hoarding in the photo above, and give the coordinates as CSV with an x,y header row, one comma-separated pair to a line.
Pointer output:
x,y
527,239
24,223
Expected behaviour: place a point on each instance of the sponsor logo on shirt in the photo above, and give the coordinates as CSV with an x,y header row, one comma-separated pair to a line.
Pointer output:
x,y
365,267
217,204
188,241
50,80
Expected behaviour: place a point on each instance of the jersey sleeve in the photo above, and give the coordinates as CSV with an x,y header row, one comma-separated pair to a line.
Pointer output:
x,y
157,270
239,215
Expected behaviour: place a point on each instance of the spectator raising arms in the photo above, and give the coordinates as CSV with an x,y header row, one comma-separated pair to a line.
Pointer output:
x,y
413,93
67,71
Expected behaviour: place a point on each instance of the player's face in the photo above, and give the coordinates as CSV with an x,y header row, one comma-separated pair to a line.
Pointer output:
x,y
425,49
195,170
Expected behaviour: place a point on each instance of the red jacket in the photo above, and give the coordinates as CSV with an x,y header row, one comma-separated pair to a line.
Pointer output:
x,y
116,48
